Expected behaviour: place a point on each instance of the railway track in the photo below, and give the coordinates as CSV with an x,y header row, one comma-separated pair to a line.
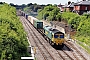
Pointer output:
x,y
30,37
63,53
36,38
78,55
44,51
64,56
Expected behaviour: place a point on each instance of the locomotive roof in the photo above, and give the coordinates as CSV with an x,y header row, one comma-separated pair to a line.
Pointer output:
x,y
53,30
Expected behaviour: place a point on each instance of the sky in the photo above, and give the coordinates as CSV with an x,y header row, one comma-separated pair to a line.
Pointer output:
x,y
19,2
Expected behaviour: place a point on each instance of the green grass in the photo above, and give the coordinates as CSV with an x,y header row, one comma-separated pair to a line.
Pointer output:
x,y
35,58
81,40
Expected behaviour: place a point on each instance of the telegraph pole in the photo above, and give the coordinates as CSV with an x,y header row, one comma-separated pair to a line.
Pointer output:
x,y
69,31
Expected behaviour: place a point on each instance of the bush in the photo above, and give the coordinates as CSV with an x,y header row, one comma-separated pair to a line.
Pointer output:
x,y
50,12
13,42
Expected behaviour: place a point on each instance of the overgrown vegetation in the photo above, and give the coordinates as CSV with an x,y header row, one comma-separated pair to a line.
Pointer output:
x,y
50,13
81,23
13,42
31,9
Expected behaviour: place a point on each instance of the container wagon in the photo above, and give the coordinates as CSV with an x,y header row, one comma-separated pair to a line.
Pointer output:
x,y
36,23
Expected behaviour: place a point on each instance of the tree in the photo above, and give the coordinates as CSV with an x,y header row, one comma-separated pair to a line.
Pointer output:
x,y
58,16
12,35
50,13
29,4
46,14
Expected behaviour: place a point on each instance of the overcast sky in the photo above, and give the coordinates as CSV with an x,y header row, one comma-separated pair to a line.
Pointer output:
x,y
19,2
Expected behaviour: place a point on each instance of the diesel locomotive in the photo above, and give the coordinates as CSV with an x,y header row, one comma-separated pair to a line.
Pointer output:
x,y
55,36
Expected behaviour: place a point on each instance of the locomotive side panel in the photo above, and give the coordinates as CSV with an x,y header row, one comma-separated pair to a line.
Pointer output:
x,y
47,33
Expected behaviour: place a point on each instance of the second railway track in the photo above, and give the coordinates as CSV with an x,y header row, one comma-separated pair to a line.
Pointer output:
x,y
78,55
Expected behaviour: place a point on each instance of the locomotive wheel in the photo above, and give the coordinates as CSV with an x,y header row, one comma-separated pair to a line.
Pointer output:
x,y
47,39
51,43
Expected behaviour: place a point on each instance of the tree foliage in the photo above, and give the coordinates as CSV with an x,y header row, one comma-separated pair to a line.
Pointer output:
x,y
13,42
81,23
68,15
50,12
84,31
32,7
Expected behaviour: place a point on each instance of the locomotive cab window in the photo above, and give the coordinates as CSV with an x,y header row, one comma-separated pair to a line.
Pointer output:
x,y
61,36
55,36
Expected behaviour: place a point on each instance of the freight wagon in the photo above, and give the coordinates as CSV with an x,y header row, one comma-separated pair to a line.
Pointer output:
x,y
36,23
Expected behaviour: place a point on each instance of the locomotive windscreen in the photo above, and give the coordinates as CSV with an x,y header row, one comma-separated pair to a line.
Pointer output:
x,y
59,36
55,36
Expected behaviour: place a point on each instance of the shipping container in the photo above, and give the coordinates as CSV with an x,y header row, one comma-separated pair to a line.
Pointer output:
x,y
38,24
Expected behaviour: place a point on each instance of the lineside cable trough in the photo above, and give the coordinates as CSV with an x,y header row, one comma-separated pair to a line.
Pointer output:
x,y
29,50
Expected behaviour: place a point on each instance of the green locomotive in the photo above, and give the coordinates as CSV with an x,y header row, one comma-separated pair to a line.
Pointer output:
x,y
54,35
